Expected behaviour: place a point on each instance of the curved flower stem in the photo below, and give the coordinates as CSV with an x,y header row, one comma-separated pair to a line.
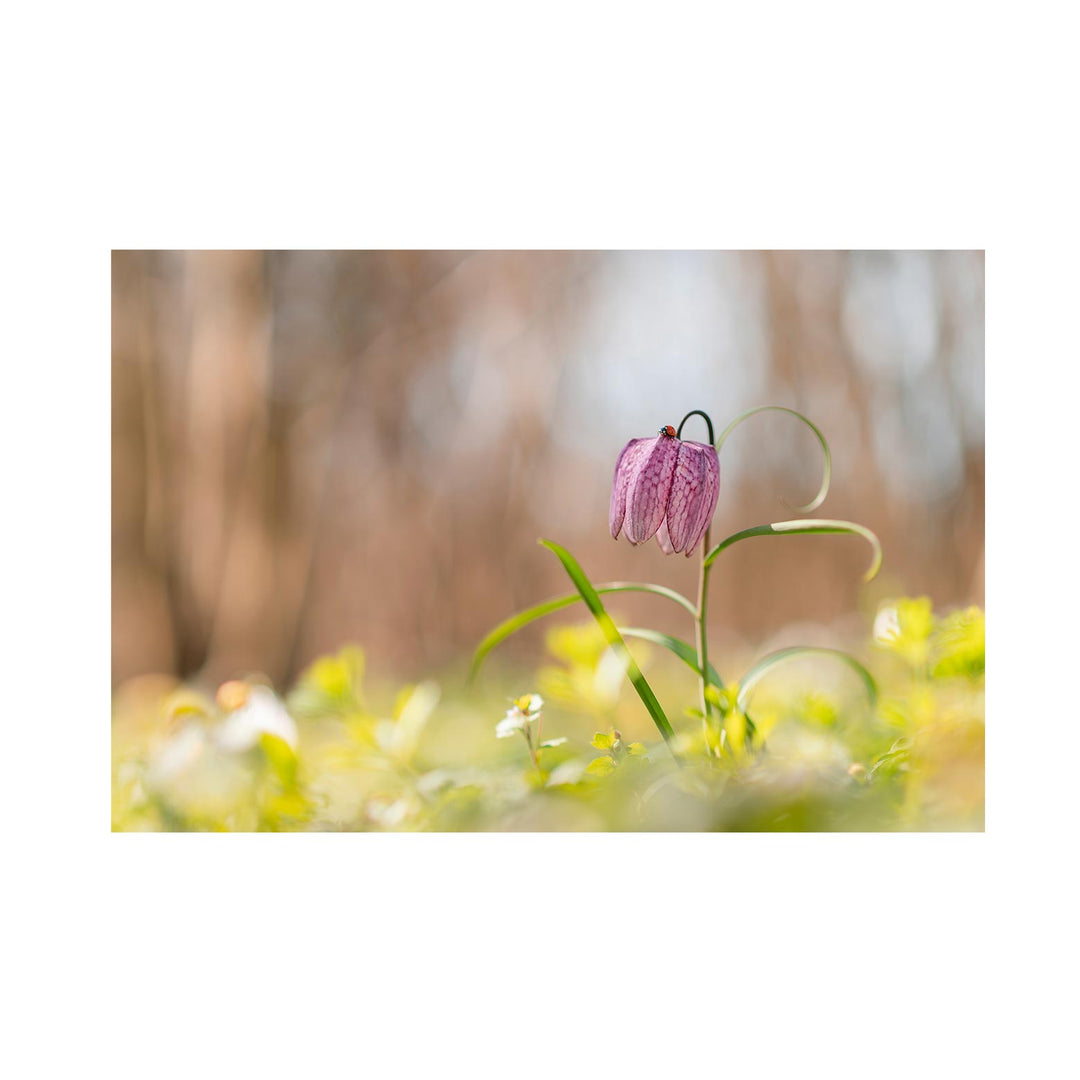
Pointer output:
x,y
705,416
701,615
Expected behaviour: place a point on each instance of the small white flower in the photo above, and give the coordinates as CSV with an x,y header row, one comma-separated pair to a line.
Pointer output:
x,y
263,712
520,714
887,626
176,756
530,704
515,720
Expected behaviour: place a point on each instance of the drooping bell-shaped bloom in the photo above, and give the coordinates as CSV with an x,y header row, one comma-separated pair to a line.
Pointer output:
x,y
666,488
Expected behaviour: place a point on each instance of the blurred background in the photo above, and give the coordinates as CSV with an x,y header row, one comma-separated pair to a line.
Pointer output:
x,y
311,448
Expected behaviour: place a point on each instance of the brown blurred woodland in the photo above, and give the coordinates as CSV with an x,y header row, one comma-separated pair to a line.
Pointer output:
x,y
311,448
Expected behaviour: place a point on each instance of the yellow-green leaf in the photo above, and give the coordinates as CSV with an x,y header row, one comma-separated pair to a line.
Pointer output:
x,y
611,632
281,758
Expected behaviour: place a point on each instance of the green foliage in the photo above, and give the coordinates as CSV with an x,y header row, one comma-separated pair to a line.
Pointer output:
x,y
614,638
951,646
904,627
959,646
588,678
282,759
332,685
683,650
524,618
809,526
820,752
762,667
826,476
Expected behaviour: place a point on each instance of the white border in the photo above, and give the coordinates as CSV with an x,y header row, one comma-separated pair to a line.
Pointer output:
x,y
562,126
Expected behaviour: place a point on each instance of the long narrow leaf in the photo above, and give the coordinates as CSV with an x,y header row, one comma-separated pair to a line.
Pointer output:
x,y
806,525
826,478
763,666
682,649
523,618
614,639
688,654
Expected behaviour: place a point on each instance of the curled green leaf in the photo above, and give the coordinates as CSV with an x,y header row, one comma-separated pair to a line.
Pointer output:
x,y
826,477
806,526
766,664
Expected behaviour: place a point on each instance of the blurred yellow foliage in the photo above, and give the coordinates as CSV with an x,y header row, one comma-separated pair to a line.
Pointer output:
x,y
805,754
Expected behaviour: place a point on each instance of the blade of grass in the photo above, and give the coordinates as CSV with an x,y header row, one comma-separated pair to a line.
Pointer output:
x,y
614,639
523,618
685,652
806,525
826,478
763,666
682,649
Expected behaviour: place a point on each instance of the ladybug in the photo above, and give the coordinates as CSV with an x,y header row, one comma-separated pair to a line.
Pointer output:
x,y
668,431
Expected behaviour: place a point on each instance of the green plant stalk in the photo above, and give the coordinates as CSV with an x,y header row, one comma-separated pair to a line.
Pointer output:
x,y
701,613
533,753
701,621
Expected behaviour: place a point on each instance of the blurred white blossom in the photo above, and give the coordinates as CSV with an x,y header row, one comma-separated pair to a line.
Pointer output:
x,y
263,713
887,626
520,714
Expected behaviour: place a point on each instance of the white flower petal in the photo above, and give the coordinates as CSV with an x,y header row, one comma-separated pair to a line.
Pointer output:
x,y
887,626
177,755
263,713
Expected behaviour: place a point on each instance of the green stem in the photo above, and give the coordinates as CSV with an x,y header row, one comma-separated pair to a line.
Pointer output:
x,y
532,753
701,614
701,619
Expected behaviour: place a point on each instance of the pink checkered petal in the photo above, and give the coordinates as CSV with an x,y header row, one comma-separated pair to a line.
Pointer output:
x,y
685,504
709,494
649,488
624,472
663,539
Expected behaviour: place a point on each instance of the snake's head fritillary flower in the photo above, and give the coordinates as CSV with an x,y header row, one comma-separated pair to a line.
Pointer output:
x,y
667,488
